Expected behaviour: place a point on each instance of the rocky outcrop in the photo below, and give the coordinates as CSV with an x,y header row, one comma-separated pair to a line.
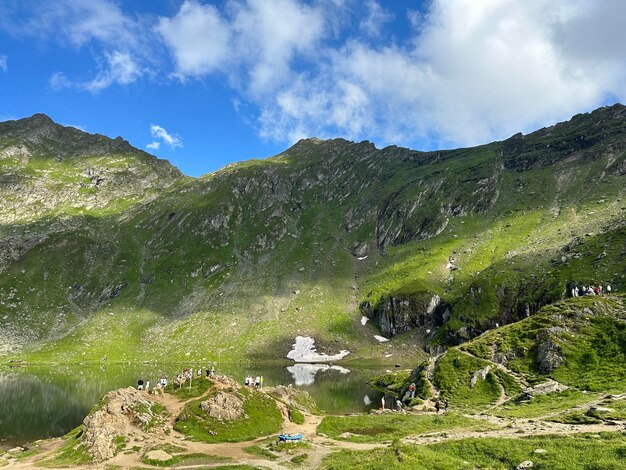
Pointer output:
x,y
123,413
398,314
223,406
549,353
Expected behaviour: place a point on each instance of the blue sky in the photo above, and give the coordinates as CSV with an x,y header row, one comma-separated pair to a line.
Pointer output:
x,y
204,83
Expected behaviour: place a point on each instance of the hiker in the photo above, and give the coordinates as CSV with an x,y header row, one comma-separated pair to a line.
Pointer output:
x,y
212,371
382,403
597,290
163,382
147,385
412,391
247,380
140,384
574,292
582,291
199,372
262,380
445,406
399,405
257,381
406,398
208,373
437,406
608,289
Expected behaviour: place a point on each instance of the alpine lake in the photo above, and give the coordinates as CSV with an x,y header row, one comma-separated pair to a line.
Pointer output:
x,y
39,402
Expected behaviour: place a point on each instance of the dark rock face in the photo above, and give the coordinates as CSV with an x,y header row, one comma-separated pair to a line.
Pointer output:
x,y
549,354
399,314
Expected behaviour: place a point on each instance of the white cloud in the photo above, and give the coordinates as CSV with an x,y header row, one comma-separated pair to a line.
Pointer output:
x,y
3,62
153,145
160,133
120,68
473,72
198,38
73,22
253,42
122,46
375,19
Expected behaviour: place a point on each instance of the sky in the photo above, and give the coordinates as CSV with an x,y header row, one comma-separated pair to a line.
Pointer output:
x,y
205,83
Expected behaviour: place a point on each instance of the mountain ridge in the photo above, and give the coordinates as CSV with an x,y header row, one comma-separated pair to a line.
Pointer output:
x,y
433,247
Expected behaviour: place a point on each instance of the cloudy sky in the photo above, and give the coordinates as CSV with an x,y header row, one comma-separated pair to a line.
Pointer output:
x,y
204,83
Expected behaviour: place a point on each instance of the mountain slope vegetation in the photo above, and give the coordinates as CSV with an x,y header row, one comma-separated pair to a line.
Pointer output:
x,y
108,252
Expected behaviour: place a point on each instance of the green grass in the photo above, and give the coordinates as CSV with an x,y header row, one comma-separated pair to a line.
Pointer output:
x,y
296,416
199,386
386,427
261,418
260,451
584,452
187,459
70,454
541,405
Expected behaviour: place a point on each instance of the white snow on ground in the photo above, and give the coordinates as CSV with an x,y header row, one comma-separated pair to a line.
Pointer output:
x,y
304,374
304,351
364,320
361,258
381,339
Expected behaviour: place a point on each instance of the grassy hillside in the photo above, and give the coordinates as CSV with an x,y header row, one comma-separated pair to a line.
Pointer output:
x,y
237,263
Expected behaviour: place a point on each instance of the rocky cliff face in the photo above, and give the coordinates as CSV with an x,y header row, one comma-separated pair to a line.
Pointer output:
x,y
454,241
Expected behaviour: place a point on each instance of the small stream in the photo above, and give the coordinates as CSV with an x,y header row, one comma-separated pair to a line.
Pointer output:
x,y
42,402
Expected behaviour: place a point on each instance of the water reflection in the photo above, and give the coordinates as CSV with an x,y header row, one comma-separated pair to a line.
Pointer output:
x,y
39,402
304,374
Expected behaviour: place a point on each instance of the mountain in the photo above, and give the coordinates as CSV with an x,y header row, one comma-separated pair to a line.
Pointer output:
x,y
108,252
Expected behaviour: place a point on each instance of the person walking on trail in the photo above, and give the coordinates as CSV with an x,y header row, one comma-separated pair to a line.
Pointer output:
x,y
382,403
437,406
140,384
398,405
257,381
147,385
608,289
412,391
445,406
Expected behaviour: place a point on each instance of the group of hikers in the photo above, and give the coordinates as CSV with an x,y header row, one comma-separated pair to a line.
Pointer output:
x,y
179,380
256,382
580,291
410,395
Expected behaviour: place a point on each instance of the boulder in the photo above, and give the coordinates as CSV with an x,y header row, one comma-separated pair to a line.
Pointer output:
x,y
122,411
223,406
158,455
524,465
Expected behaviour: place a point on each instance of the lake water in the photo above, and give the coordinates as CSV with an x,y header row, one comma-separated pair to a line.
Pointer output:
x,y
37,403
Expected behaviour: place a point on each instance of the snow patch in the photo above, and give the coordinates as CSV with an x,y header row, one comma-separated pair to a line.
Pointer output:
x,y
381,339
304,374
361,258
304,351
364,320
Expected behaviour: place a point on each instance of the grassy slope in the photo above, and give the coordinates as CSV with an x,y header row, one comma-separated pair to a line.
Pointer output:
x,y
211,267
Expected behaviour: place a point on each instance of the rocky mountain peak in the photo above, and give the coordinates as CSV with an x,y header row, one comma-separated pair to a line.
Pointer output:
x,y
41,136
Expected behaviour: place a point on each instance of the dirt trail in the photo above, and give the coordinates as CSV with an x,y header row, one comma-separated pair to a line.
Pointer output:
x,y
319,446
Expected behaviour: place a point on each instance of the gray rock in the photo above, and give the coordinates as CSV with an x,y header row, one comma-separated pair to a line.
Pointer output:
x,y
524,465
158,455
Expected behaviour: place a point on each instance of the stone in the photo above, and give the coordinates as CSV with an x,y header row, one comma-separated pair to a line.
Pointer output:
x,y
540,451
16,450
118,417
524,465
223,406
158,455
